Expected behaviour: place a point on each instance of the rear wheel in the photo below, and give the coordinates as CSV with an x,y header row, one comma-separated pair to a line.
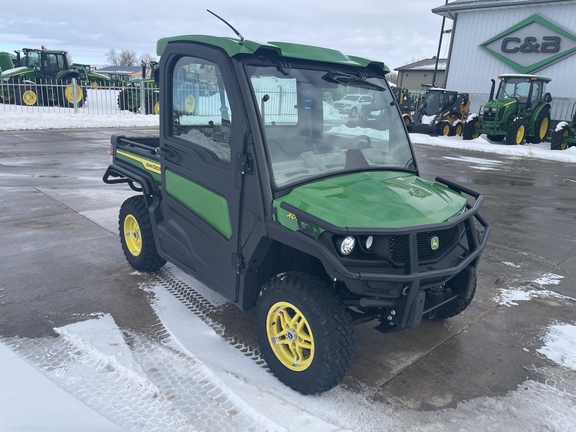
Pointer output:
x,y
557,137
127,100
136,235
471,130
407,119
541,126
456,129
152,104
70,92
516,132
305,333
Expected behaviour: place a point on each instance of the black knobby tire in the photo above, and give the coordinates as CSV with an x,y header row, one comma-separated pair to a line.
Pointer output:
x,y
128,101
456,130
443,128
453,308
320,322
496,138
470,130
557,136
541,126
136,235
516,132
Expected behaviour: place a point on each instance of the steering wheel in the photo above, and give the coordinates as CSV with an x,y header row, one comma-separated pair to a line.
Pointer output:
x,y
356,141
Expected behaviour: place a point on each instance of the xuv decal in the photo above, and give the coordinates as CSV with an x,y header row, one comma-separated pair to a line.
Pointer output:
x,y
531,44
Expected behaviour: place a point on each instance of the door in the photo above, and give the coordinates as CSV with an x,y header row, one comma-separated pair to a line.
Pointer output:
x,y
199,148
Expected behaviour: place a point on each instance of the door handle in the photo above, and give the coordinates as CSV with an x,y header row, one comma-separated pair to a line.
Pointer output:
x,y
167,152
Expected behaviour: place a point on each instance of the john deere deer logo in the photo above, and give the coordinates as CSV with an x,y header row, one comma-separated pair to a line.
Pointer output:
x,y
434,243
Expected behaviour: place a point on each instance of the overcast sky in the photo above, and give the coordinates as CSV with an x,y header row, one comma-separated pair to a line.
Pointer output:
x,y
395,32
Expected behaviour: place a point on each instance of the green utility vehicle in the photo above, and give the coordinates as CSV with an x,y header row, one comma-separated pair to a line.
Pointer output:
x,y
440,112
138,90
314,220
564,135
521,110
42,77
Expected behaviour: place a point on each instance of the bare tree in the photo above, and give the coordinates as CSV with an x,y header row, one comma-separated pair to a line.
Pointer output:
x,y
147,58
392,77
127,58
112,57
123,58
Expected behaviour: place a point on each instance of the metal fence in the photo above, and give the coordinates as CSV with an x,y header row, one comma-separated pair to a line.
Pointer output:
x,y
48,97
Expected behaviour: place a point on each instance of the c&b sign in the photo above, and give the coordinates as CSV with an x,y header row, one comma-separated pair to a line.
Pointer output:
x,y
531,44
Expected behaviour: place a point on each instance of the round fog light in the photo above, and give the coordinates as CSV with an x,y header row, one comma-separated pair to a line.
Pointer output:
x,y
369,242
347,245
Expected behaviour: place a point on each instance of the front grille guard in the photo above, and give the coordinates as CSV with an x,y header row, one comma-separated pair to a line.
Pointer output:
x,y
476,244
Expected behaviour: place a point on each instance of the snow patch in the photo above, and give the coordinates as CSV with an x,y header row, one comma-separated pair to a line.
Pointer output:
x,y
560,345
510,297
509,264
549,279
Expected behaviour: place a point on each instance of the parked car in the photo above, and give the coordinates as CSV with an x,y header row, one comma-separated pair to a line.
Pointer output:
x,y
352,104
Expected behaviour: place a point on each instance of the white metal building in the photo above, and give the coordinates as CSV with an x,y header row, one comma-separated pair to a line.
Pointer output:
x,y
494,37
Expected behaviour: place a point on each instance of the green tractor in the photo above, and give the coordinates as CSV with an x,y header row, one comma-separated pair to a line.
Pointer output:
x,y
564,135
521,110
42,77
89,77
130,97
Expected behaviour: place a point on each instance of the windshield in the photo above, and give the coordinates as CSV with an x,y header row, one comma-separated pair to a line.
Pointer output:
x,y
310,136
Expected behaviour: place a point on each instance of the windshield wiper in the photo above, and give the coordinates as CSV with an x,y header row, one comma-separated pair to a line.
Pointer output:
x,y
349,79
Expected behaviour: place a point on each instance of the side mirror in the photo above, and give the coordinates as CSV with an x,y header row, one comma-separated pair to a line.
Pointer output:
x,y
547,98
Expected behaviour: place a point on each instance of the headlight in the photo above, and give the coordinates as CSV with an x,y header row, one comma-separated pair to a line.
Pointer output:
x,y
347,245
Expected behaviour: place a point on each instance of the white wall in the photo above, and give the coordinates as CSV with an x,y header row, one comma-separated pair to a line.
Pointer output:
x,y
471,68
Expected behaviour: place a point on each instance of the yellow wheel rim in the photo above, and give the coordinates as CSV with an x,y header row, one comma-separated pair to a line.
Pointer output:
x,y
69,93
132,235
446,130
290,336
29,97
476,132
157,108
544,127
459,129
189,104
94,84
564,145
520,134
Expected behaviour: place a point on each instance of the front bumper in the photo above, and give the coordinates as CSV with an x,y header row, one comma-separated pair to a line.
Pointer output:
x,y
402,288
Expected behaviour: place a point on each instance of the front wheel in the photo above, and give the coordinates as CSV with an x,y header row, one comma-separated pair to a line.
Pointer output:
x,y
29,95
558,136
457,305
471,130
136,235
516,132
444,128
305,333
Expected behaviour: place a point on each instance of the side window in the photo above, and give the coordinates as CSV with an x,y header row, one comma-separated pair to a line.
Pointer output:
x,y
200,108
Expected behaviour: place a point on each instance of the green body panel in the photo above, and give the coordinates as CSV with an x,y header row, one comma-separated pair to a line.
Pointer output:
x,y
6,61
207,204
150,165
376,199
234,47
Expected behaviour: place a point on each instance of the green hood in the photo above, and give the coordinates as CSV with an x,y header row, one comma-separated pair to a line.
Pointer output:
x,y
377,199
497,103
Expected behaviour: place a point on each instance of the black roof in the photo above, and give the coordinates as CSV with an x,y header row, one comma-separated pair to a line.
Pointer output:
x,y
451,9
